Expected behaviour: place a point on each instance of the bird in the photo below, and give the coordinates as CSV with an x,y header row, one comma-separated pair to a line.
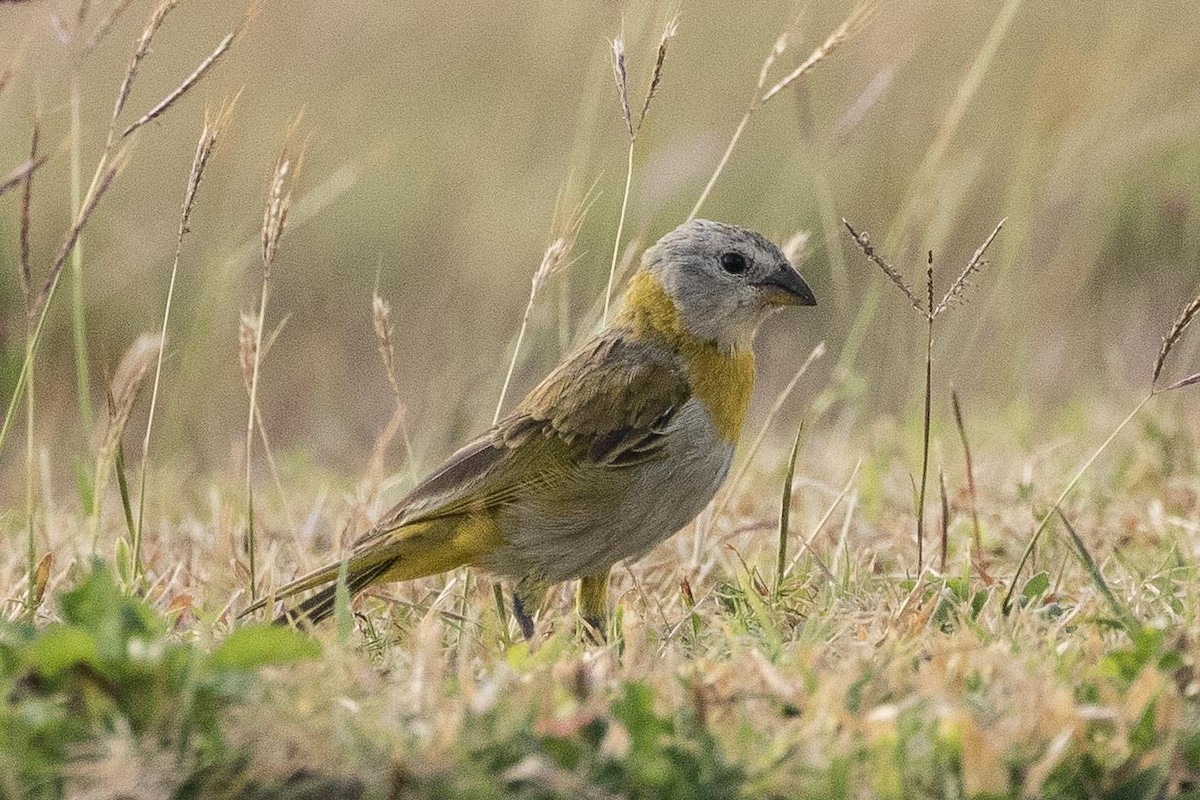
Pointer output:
x,y
618,448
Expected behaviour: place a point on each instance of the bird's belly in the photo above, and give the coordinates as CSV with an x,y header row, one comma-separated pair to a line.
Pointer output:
x,y
622,512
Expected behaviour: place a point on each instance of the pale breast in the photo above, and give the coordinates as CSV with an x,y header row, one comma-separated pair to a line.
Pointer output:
x,y
616,513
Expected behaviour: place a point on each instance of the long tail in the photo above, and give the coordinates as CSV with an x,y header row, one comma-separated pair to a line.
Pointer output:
x,y
320,605
403,554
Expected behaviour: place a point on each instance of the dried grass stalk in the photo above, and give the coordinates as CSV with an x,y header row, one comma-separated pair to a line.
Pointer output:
x,y
26,207
19,174
143,48
68,244
106,23
381,321
860,15
159,108
275,213
210,133
962,433
944,526
555,258
858,18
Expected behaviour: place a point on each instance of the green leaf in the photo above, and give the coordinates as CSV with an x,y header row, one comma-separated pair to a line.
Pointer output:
x,y
254,646
1036,586
59,648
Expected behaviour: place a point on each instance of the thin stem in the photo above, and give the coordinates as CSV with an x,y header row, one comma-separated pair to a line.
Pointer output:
x,y
1131,623
31,601
25,375
962,433
737,134
78,322
785,510
612,269
162,343
925,442
262,310
511,364
498,594
1007,605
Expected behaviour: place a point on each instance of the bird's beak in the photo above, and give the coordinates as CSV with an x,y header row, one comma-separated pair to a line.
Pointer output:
x,y
785,287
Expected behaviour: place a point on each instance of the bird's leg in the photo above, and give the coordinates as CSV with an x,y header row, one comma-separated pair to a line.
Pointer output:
x,y
592,604
528,594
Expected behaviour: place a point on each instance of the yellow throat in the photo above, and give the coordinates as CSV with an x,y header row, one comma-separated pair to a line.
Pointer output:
x,y
722,379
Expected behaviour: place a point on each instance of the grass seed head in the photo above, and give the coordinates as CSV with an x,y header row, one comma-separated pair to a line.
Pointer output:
x,y
1189,312
214,125
381,320
863,240
140,52
191,80
124,388
621,76
957,291
795,249
859,16
668,34
247,345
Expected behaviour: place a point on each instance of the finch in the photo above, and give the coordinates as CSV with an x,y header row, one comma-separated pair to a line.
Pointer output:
x,y
623,444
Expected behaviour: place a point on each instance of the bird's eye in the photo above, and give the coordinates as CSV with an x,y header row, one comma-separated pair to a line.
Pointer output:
x,y
733,262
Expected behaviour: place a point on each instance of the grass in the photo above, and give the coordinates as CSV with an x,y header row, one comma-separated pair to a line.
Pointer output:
x,y
783,645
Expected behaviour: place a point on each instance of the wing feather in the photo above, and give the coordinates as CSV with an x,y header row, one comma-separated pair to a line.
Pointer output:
x,y
608,404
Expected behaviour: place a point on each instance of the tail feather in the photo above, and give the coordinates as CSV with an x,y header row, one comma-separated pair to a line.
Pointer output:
x,y
409,552
321,604
317,577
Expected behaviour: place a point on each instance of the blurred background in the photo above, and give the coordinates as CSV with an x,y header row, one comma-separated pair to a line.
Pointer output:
x,y
439,137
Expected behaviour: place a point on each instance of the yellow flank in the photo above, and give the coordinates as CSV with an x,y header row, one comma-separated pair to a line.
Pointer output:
x,y
721,378
429,548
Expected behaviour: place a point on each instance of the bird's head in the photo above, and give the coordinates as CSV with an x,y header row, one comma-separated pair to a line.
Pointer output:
x,y
724,280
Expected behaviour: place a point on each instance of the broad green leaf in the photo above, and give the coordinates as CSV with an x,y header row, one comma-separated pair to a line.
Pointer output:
x,y
255,646
59,648
1036,586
